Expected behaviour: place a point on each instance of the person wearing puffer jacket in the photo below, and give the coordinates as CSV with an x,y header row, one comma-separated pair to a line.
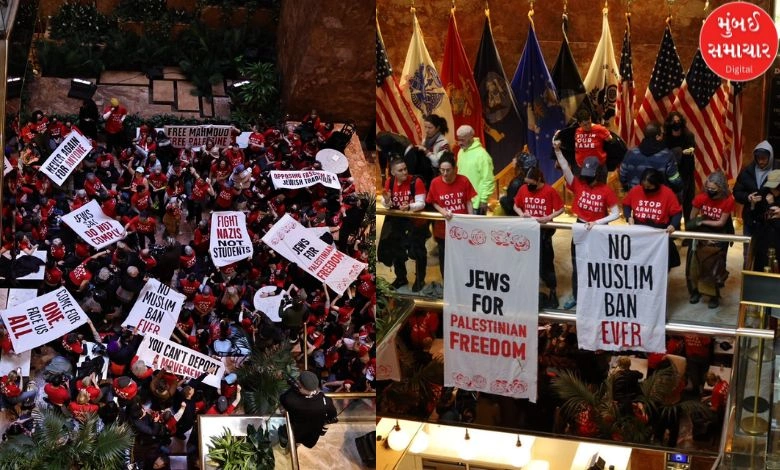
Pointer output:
x,y
749,182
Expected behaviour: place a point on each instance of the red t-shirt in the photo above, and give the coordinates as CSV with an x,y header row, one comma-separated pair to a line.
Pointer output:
x,y
592,203
114,120
540,203
401,193
720,393
57,395
656,208
451,196
713,209
590,144
79,274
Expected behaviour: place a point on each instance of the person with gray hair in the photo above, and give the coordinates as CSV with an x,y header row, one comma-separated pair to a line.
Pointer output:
x,y
477,165
705,268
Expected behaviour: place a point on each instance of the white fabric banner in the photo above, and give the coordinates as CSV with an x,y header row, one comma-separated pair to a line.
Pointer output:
x,y
621,287
66,157
296,243
303,179
93,226
267,301
42,319
196,136
491,304
156,309
161,354
10,361
388,366
7,167
601,82
229,240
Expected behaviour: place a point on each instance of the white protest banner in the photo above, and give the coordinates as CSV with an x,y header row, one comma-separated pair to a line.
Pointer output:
x,y
621,294
66,157
42,319
11,361
182,136
296,243
156,309
159,353
267,301
7,167
388,365
491,304
93,226
229,240
302,179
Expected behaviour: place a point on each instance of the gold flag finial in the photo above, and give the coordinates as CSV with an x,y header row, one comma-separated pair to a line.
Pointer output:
x,y
531,12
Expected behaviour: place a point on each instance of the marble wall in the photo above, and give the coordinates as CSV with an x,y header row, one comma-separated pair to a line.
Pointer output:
x,y
509,19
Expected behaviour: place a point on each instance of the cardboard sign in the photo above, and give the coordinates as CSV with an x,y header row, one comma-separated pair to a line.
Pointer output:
x,y
621,287
491,304
156,309
296,243
229,240
42,319
196,136
93,226
303,179
159,353
66,157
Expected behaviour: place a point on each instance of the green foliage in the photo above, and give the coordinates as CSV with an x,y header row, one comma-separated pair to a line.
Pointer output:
x,y
261,94
141,10
81,20
261,442
72,58
229,452
263,378
57,444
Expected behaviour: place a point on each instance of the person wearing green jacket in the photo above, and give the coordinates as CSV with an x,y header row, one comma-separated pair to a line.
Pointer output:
x,y
475,164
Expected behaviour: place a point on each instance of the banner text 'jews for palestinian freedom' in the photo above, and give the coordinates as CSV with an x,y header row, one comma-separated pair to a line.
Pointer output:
x,y
42,319
491,303
156,309
296,243
66,157
303,179
93,226
229,238
195,136
621,297
160,353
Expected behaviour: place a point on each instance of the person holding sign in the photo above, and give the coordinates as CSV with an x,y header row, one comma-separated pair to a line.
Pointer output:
x,y
653,204
541,202
594,202
114,114
450,193
705,269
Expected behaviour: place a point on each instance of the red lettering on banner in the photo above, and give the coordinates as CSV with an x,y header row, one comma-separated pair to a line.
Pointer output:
x,y
53,313
17,323
147,326
486,346
621,333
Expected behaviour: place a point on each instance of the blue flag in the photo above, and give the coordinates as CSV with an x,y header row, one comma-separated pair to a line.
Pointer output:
x,y
535,93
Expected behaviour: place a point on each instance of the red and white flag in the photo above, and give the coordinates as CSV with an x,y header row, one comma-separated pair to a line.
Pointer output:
x,y
734,130
704,100
664,83
624,109
394,113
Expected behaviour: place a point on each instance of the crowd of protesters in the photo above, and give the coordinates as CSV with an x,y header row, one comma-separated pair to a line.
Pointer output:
x,y
161,194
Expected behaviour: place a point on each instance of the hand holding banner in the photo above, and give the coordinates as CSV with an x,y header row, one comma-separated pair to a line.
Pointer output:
x,y
66,157
42,319
229,240
303,179
93,226
162,354
156,310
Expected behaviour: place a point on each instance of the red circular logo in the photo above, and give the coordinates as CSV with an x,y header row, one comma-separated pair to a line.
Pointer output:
x,y
738,41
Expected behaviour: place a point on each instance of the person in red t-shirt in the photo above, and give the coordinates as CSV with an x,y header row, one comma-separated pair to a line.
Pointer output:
x,y
653,204
114,114
589,139
541,202
144,226
711,212
221,407
450,193
11,389
406,236
57,391
720,393
594,203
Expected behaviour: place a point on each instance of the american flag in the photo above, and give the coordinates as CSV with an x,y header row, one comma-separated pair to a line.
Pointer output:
x,y
733,130
393,112
666,78
703,99
625,102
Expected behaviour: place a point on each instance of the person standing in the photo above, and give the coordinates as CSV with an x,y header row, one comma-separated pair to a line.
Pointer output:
x,y
589,139
475,164
682,143
450,194
705,269
650,153
594,203
88,117
114,114
541,202
310,410
749,182
435,143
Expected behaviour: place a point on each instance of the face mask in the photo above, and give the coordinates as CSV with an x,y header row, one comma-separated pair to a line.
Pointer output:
x,y
651,190
676,126
588,179
532,187
712,193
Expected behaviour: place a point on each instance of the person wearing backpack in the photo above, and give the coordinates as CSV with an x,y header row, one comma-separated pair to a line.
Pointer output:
x,y
402,237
